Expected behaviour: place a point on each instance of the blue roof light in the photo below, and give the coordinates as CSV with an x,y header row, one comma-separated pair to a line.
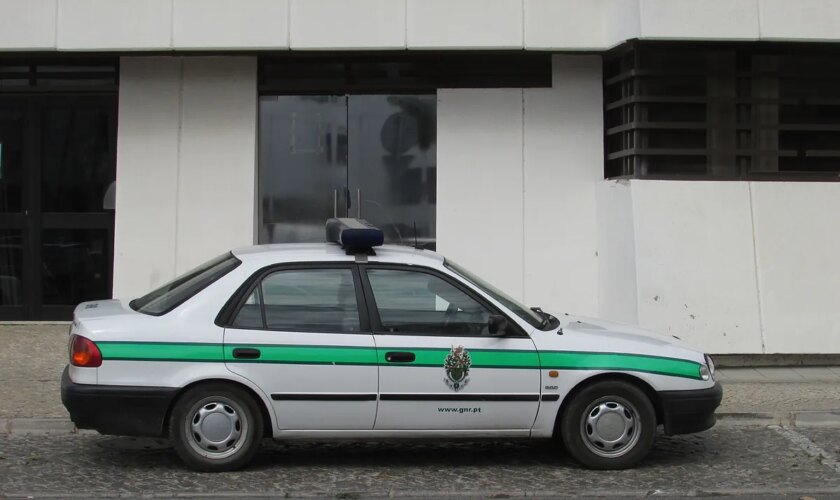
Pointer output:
x,y
354,235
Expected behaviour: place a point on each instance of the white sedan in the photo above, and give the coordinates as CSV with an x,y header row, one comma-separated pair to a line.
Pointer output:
x,y
354,339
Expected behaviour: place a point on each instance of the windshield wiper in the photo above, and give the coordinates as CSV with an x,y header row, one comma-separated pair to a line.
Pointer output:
x,y
545,316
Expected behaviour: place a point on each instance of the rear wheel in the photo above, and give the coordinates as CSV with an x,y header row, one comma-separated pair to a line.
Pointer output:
x,y
216,427
609,425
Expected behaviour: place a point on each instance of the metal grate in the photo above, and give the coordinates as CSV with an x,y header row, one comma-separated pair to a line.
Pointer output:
x,y
56,75
725,111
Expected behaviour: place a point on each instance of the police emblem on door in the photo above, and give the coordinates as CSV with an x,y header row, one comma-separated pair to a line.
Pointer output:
x,y
457,366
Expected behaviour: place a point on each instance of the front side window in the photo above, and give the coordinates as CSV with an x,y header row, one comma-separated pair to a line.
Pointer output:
x,y
302,300
177,291
414,302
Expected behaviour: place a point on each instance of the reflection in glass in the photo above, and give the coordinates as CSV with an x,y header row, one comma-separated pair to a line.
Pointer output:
x,y
303,165
76,159
75,266
11,267
393,164
368,155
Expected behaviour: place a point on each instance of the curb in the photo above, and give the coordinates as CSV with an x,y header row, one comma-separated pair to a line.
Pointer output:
x,y
23,426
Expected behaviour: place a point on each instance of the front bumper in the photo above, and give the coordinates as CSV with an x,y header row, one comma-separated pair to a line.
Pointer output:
x,y
684,412
117,409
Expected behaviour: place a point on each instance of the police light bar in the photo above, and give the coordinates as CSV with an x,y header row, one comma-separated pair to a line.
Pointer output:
x,y
354,234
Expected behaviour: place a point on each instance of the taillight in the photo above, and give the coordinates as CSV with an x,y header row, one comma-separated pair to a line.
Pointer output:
x,y
84,353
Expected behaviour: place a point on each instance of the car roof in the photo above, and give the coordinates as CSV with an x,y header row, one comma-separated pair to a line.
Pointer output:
x,y
320,252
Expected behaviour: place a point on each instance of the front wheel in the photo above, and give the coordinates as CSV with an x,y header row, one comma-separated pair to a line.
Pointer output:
x,y
609,425
216,427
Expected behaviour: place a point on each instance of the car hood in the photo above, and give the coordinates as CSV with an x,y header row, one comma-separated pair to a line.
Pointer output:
x,y
578,333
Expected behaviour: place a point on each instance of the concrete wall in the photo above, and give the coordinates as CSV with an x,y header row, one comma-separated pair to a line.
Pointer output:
x,y
401,24
516,195
186,165
732,267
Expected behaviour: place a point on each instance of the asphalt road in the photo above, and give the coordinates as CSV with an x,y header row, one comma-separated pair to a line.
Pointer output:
x,y
755,462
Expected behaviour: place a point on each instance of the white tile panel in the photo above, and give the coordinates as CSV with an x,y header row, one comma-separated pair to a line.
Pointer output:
x,y
114,24
564,150
479,183
147,174
230,24
695,265
800,19
348,24
699,19
797,237
579,24
454,24
27,24
217,158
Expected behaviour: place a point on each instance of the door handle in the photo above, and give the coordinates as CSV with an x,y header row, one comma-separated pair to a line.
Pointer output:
x,y
246,353
399,357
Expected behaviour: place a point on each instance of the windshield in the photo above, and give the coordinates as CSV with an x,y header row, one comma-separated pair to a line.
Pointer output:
x,y
531,317
177,291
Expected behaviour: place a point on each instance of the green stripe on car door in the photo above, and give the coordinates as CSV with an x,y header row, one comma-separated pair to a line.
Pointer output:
x,y
293,354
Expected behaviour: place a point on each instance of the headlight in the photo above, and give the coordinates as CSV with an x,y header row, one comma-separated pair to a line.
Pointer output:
x,y
707,371
711,365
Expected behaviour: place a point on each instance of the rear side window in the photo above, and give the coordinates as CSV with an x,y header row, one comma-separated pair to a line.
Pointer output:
x,y
177,291
302,300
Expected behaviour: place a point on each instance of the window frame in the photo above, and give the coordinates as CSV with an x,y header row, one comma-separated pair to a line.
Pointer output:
x,y
376,322
231,308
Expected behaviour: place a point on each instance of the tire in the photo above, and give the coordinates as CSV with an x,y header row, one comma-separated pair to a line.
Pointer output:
x,y
216,427
609,425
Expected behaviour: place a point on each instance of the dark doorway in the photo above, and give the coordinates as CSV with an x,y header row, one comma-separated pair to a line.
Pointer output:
x,y
57,166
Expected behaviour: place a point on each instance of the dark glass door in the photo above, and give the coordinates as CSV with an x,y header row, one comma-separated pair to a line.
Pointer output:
x,y
372,156
57,157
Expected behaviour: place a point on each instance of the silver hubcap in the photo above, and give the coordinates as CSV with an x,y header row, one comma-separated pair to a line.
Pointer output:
x,y
216,428
610,427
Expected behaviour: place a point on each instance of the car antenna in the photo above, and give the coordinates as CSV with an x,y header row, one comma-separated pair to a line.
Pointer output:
x,y
415,234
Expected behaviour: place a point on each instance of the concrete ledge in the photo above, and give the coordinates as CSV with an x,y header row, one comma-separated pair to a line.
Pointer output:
x,y
778,360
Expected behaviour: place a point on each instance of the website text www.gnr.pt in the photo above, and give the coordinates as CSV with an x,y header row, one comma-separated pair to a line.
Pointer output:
x,y
459,410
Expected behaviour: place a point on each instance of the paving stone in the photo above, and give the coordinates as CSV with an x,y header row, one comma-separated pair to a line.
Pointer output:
x,y
717,461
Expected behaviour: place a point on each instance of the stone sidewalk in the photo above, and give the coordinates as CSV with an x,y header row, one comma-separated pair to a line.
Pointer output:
x,y
33,357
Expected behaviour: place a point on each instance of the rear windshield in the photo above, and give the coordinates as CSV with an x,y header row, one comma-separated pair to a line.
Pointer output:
x,y
177,291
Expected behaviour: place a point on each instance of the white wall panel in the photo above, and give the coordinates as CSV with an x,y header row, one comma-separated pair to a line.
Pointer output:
x,y
479,183
240,24
347,25
797,236
111,24
579,24
217,158
147,173
695,260
617,293
800,19
464,24
563,148
703,19
27,25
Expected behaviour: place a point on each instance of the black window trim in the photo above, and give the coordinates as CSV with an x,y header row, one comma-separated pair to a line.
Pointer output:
x,y
231,308
376,322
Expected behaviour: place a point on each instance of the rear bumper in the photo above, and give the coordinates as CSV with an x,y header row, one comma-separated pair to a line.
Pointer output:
x,y
684,412
117,409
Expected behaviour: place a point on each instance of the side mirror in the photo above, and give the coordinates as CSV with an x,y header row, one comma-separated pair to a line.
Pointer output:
x,y
496,325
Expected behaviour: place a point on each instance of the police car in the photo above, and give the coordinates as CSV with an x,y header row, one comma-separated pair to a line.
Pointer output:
x,y
355,339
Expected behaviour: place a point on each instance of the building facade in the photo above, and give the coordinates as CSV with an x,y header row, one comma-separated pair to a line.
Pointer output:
x,y
671,163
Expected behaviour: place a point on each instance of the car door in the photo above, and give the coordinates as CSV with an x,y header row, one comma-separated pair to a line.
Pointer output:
x,y
299,335
439,366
